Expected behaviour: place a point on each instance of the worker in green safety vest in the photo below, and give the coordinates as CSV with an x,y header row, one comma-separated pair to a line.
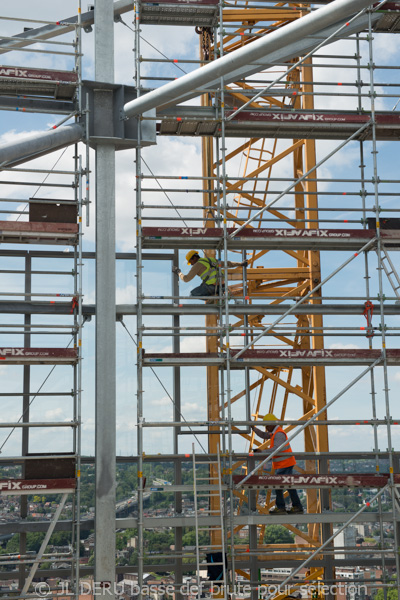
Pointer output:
x,y
207,269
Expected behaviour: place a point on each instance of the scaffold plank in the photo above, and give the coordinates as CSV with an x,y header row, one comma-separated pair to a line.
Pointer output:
x,y
263,239
272,358
389,21
28,232
197,120
24,487
43,82
38,356
359,480
199,13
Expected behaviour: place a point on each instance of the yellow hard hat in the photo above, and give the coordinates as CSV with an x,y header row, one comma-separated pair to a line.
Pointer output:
x,y
190,255
269,417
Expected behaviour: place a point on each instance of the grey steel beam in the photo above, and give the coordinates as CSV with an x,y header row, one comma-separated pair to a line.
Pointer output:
x,y
64,308
253,309
105,442
274,358
279,46
167,458
42,105
189,521
35,145
190,567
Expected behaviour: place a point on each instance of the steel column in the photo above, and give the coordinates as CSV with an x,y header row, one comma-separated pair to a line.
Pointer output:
x,y
105,299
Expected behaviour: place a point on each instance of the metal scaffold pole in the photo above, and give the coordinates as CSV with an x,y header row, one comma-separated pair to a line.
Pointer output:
x,y
379,253
105,305
139,318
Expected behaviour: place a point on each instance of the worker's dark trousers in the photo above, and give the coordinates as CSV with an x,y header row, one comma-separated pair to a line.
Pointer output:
x,y
203,290
280,502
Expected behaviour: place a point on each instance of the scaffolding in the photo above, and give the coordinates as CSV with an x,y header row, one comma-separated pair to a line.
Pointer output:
x,y
257,129
41,255
269,189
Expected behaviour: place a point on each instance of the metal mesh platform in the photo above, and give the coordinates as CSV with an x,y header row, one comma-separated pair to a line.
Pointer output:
x,y
389,21
198,121
37,82
200,13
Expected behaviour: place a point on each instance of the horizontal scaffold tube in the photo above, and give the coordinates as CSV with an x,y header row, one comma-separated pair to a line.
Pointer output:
x,y
37,144
241,61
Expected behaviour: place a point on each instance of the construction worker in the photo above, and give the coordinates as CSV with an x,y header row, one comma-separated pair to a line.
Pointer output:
x,y
282,463
207,269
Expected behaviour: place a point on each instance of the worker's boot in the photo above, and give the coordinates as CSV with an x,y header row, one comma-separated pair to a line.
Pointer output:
x,y
277,511
295,510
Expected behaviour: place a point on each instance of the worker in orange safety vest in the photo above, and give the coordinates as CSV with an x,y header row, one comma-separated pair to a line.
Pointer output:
x,y
282,463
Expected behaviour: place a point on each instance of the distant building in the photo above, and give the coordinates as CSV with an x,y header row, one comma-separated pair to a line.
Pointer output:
x,y
346,539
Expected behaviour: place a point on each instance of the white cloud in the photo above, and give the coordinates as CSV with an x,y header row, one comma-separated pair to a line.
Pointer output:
x,y
188,344
191,407
124,424
54,414
126,295
162,402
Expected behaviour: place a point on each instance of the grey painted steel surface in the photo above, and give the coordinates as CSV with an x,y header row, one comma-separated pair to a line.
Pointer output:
x,y
105,299
31,146
280,45
64,308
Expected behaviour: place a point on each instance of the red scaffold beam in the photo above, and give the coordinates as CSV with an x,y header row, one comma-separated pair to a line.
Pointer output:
x,y
186,3
312,117
275,233
361,480
23,73
272,358
36,232
260,238
19,487
38,356
389,6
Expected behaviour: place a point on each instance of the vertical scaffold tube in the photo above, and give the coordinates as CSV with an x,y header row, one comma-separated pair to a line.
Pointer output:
x,y
139,320
381,298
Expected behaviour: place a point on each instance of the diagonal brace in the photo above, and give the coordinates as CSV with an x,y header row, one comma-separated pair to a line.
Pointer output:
x,y
292,185
297,64
328,541
42,548
310,293
310,421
